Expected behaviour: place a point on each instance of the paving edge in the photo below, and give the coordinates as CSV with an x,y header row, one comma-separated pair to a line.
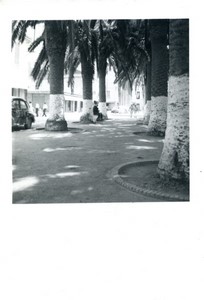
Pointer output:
x,y
114,174
70,129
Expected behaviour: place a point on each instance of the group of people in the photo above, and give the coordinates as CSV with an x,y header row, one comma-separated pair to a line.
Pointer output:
x,y
97,115
37,109
133,109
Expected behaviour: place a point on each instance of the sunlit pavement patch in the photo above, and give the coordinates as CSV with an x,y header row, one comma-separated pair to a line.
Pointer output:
x,y
150,141
68,148
76,192
102,151
40,136
24,183
65,174
71,167
122,136
134,147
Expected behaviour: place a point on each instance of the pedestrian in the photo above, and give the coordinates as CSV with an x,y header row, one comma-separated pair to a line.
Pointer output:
x,y
44,109
95,112
133,109
37,106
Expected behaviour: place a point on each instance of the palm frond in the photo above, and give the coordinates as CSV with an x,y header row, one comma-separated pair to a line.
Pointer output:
x,y
42,58
16,29
19,29
37,42
42,74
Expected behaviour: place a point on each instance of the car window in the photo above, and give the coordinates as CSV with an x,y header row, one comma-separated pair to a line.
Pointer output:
x,y
23,105
15,104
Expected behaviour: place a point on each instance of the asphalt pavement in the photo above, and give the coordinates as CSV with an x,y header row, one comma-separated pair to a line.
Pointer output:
x,y
75,166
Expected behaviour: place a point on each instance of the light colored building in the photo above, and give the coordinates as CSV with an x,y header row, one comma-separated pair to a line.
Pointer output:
x,y
20,69
24,86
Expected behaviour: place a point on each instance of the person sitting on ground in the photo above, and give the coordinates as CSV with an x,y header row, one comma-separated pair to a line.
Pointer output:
x,y
95,112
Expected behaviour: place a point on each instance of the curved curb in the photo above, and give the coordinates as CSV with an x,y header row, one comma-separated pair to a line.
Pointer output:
x,y
70,129
114,174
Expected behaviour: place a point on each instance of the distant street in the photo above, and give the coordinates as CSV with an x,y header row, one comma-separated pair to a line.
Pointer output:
x,y
73,166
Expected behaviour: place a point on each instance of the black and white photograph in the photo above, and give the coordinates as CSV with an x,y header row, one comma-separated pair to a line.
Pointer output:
x,y
102,165
100,110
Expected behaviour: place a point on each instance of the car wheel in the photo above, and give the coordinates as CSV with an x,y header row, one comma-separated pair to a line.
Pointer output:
x,y
28,123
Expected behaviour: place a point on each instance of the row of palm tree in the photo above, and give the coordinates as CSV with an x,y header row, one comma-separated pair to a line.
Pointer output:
x,y
150,48
87,41
167,82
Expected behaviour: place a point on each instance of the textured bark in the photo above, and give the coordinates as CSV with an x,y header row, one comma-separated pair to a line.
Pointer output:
x,y
87,77
56,107
102,91
179,53
102,108
147,109
102,86
158,115
148,83
174,161
87,107
159,75
158,35
56,120
147,112
55,41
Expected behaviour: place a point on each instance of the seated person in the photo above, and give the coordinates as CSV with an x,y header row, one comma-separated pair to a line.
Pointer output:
x,y
97,116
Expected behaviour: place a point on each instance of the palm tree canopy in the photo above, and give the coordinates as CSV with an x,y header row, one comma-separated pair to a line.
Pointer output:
x,y
129,54
122,42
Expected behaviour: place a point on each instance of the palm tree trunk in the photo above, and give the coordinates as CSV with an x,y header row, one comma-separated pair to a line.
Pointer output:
x,y
174,161
102,91
55,41
87,78
159,78
147,94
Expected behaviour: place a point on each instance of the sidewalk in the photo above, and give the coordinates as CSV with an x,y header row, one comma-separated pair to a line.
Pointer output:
x,y
79,165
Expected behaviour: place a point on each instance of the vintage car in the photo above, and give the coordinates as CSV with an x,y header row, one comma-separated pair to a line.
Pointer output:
x,y
21,113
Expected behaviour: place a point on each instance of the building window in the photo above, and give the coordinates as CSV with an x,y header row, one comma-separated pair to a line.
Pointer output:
x,y
69,105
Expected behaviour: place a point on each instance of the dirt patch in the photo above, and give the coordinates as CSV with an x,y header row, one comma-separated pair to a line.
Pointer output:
x,y
144,175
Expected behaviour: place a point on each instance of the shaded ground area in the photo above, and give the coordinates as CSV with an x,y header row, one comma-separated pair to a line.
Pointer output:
x,y
145,176
74,166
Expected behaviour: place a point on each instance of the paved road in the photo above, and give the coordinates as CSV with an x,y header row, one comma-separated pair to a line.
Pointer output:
x,y
73,166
